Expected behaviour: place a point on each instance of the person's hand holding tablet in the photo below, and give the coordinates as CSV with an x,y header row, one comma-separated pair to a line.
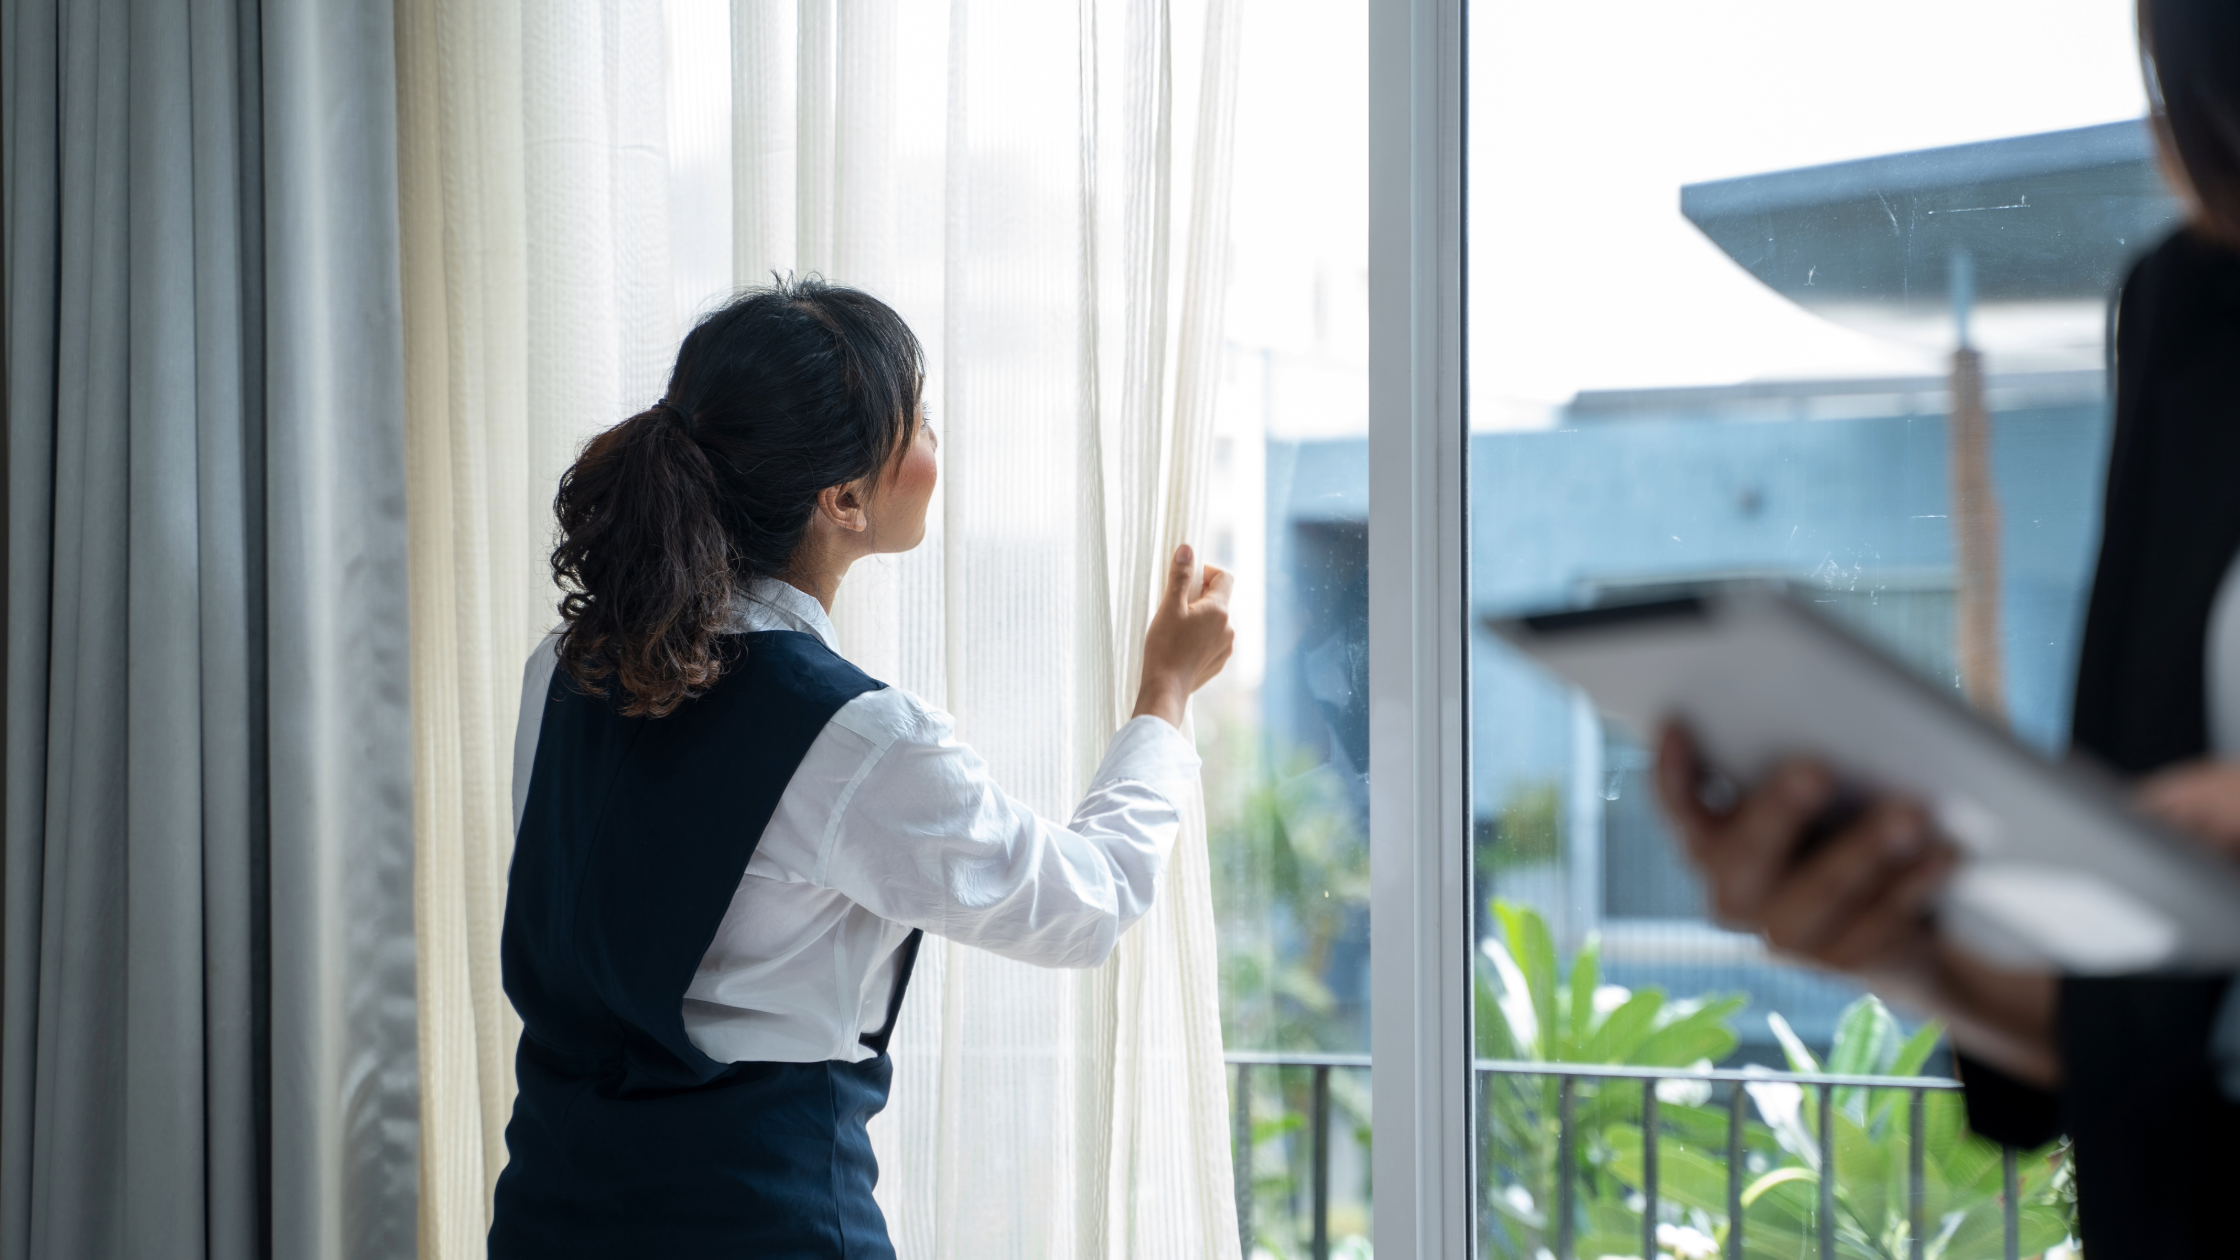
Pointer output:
x,y
2200,798
1855,897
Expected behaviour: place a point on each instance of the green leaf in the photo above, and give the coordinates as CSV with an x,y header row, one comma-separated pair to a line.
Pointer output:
x,y
1968,1166
1911,1056
1268,1130
1792,1046
1515,998
1622,1032
1765,1241
1535,952
1790,1206
1866,1039
1704,1126
1704,1033
1586,974
1870,1176
1685,1174
1983,1235
1947,1122
1495,1041
1756,1190
1917,1049
1866,1044
2041,1226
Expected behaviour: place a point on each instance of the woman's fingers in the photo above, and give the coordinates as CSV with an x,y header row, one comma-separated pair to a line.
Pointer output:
x,y
1824,905
1893,922
1181,568
2201,798
1820,901
1678,769
1189,638
1858,902
1218,584
1748,853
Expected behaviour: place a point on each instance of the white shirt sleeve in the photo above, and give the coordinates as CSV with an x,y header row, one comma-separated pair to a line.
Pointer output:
x,y
923,837
536,684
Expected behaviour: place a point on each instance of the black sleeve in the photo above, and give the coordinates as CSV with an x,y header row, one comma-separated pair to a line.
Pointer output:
x,y
2006,1110
2157,1143
2170,521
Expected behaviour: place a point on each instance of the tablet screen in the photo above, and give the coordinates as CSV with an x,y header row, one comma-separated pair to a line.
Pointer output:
x,y
2057,869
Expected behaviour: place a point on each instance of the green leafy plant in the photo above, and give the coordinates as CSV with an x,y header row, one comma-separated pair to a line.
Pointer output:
x,y
1962,1213
1526,1011
1289,867
1290,880
1528,830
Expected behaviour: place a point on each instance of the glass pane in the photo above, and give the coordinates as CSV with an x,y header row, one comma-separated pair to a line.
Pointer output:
x,y
1284,731
1733,291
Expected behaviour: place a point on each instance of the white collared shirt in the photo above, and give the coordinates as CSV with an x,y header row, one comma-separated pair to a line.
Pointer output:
x,y
890,824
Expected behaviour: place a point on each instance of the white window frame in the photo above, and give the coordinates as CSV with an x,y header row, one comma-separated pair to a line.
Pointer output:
x,y
1419,768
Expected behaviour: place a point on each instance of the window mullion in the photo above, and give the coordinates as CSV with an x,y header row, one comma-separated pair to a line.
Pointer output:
x,y
1419,790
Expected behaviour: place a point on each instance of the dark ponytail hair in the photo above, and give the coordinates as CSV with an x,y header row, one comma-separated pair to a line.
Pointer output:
x,y
666,517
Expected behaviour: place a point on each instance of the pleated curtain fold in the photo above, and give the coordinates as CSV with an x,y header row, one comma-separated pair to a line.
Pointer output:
x,y
1041,189
538,310
206,1016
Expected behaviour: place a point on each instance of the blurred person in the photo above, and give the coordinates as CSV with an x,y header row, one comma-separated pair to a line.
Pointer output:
x,y
2142,1072
730,840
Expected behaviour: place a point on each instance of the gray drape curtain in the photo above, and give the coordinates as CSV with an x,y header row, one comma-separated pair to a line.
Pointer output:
x,y
206,995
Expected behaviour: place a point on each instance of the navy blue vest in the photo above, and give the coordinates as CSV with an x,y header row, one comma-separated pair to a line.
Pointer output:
x,y
626,1140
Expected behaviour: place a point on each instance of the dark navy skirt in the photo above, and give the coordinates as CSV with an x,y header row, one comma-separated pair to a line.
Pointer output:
x,y
770,1160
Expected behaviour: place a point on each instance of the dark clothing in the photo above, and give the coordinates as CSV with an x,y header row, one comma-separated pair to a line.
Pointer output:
x,y
626,1139
2171,520
768,1159
2157,1145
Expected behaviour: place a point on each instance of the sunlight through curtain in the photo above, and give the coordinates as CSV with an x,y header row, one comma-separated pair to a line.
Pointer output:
x,y
537,310
1042,190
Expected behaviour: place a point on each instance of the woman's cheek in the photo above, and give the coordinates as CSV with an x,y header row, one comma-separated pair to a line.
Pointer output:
x,y
920,471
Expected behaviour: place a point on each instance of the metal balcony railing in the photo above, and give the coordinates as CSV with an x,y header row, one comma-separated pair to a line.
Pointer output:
x,y
1318,1136
1569,1074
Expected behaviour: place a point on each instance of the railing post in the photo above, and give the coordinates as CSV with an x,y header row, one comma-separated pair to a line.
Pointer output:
x,y
1241,1145
2013,1212
1321,1122
1562,1237
1827,1221
1916,1188
1649,1167
1563,1169
1735,1157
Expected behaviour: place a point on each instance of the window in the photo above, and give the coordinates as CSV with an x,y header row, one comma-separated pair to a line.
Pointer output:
x,y
1735,268
1284,731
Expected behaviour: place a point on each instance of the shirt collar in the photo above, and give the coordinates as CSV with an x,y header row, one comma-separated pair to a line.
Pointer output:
x,y
769,604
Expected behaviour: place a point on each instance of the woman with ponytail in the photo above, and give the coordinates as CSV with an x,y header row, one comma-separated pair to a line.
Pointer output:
x,y
730,841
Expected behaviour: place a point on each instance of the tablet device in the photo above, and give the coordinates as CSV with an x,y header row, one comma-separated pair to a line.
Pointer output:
x,y
2056,868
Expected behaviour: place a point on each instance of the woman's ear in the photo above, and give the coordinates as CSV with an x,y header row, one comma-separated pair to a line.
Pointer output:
x,y
843,506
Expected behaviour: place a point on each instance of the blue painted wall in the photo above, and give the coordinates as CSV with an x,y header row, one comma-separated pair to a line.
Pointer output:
x,y
1857,507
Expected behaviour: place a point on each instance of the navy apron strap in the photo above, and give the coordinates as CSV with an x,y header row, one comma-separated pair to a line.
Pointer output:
x,y
908,958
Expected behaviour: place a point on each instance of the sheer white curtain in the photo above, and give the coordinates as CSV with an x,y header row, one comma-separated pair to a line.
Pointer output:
x,y
1042,190
537,310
